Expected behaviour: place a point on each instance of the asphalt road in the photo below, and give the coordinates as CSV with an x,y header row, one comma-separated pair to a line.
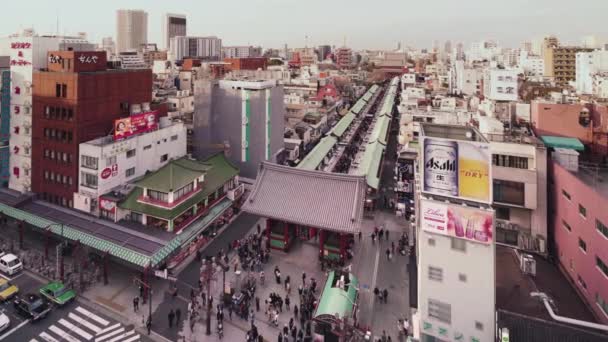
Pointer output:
x,y
190,275
72,323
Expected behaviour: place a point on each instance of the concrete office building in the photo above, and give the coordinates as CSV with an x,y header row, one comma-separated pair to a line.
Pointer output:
x,y
241,51
131,30
560,63
245,119
588,64
173,25
205,48
500,84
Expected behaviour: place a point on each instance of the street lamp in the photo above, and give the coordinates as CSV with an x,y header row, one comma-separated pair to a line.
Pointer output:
x,y
147,284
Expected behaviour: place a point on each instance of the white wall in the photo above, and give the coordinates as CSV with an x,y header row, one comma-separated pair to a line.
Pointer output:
x,y
502,85
588,64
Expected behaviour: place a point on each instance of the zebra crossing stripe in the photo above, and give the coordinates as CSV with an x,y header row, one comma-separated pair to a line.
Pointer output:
x,y
92,316
107,336
121,336
47,337
75,329
64,335
108,329
84,323
132,338
33,340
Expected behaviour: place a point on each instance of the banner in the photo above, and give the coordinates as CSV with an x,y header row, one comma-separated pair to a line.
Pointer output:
x,y
457,221
107,205
135,124
457,168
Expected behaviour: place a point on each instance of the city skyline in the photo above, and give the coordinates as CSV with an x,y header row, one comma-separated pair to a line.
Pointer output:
x,y
465,21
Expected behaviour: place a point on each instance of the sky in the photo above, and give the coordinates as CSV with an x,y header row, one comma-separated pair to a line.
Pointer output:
x,y
364,24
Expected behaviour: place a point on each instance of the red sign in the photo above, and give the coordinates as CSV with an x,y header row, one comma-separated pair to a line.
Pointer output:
x,y
106,173
107,205
21,45
135,124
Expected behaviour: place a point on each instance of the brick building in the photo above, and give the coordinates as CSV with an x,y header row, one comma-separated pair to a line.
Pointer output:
x,y
76,100
250,63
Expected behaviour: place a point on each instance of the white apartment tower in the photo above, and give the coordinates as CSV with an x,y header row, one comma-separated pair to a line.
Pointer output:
x,y
131,29
173,25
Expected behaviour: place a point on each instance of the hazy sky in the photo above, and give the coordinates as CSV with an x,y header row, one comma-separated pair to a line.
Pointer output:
x,y
374,24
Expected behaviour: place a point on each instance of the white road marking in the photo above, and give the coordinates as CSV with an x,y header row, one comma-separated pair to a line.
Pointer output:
x,y
14,329
93,316
33,340
47,337
374,277
113,333
84,323
108,329
121,336
64,335
133,338
75,329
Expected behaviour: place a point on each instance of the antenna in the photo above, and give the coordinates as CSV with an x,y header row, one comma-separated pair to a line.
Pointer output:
x,y
306,41
57,30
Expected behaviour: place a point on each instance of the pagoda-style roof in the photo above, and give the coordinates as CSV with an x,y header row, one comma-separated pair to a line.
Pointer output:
x,y
174,175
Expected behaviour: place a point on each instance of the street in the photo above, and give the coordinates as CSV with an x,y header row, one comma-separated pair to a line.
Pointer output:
x,y
74,322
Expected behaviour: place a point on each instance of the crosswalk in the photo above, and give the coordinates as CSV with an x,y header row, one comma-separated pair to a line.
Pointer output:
x,y
83,325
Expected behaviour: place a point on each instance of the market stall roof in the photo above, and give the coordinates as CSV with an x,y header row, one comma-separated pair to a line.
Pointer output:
x,y
316,155
335,300
563,142
316,199
343,124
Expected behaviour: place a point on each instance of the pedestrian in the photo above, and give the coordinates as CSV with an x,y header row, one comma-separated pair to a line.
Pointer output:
x,y
373,238
393,247
288,288
149,324
295,311
360,236
385,295
300,291
291,323
380,234
294,332
287,280
303,278
136,304
280,337
285,330
277,274
171,316
383,335
386,233
259,229
287,301
178,316
389,339
230,311
388,254
376,291
141,291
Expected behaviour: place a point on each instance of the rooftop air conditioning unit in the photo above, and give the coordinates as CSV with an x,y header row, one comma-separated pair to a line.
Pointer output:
x,y
527,264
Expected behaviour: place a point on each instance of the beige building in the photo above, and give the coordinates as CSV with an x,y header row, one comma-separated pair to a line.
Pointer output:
x,y
560,62
131,29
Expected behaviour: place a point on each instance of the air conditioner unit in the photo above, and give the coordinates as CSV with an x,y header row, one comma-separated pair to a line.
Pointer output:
x,y
528,264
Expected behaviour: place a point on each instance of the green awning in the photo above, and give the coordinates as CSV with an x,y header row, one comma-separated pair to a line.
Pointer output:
x,y
314,158
343,124
335,300
563,142
371,163
356,109
380,130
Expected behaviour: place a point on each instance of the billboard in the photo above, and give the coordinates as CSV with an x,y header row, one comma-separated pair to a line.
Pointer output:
x,y
459,169
457,221
135,124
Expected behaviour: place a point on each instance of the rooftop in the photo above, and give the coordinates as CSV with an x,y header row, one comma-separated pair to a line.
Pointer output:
x,y
466,133
174,175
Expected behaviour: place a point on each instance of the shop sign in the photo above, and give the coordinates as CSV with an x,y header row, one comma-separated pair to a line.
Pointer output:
x,y
135,124
426,326
457,221
55,59
107,205
443,331
109,172
19,45
88,59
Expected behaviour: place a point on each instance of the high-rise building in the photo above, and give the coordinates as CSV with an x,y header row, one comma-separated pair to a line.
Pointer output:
x,y
344,57
587,65
324,51
205,48
107,45
131,30
173,25
5,116
66,112
447,48
241,51
548,43
560,62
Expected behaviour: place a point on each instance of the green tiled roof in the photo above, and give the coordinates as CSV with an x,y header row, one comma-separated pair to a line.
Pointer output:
x,y
316,155
74,234
335,300
371,162
563,142
343,124
357,107
219,171
380,130
174,175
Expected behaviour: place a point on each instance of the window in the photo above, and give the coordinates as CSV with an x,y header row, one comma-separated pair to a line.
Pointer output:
x,y
431,242
601,228
462,277
47,111
478,325
174,137
64,90
510,161
57,90
509,192
601,265
70,114
503,213
582,210
582,244
110,161
602,303
440,311
89,180
164,158
435,273
581,281
566,194
89,162
566,225
46,175
130,172
147,147
183,191
459,245
159,196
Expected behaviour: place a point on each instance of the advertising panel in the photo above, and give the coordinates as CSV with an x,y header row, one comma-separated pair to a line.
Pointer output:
x,y
135,124
458,169
457,221
107,205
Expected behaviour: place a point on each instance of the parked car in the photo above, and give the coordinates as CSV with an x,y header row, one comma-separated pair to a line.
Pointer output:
x,y
10,264
4,321
7,290
32,306
58,293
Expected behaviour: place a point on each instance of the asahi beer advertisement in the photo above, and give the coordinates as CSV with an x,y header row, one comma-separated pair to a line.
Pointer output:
x,y
457,169
458,221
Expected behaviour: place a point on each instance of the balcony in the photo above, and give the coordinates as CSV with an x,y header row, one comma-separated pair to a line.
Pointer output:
x,y
166,205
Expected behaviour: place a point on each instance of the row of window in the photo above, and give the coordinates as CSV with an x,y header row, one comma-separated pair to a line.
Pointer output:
x,y
509,192
57,178
183,191
436,273
88,179
66,202
58,134
61,90
89,162
510,161
63,157
58,113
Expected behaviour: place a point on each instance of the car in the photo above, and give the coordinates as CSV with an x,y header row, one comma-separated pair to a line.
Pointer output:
x,y
4,321
32,306
10,264
7,290
58,293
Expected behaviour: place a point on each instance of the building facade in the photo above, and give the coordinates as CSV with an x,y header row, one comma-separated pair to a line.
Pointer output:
x,y
241,51
205,48
251,63
344,57
173,25
5,120
75,101
131,30
588,64
323,52
501,84
560,63
107,164
245,119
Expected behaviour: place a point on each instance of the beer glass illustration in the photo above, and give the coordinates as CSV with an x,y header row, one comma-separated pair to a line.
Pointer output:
x,y
474,173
